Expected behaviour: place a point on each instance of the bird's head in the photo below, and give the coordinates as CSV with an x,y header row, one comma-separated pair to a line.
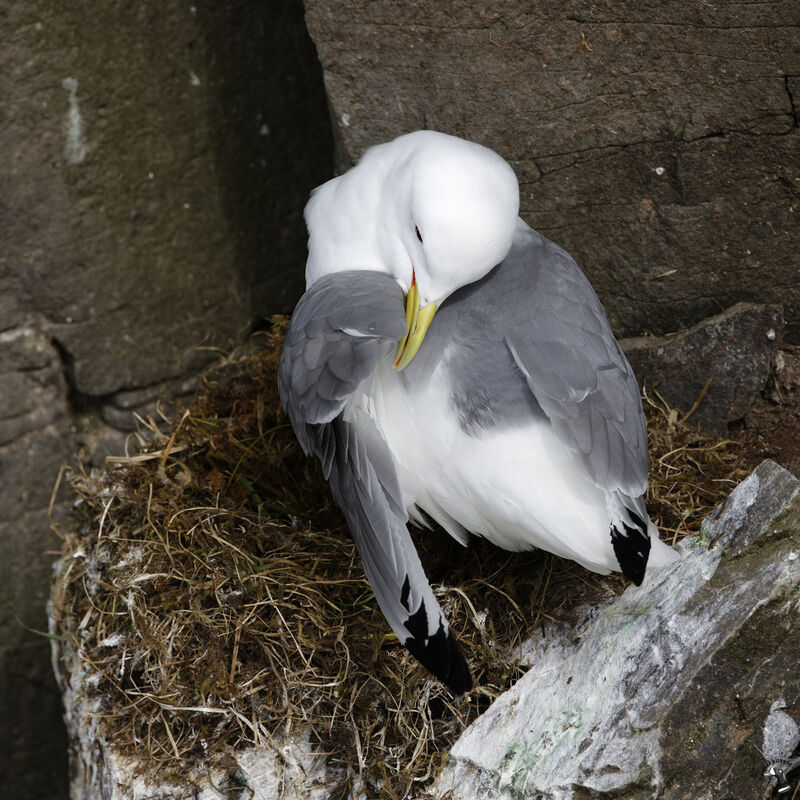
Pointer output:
x,y
434,211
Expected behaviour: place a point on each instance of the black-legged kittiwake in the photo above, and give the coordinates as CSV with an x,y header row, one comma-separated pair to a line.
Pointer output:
x,y
448,359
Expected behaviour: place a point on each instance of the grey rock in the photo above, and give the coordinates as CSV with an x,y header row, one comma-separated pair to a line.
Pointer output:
x,y
33,391
151,203
786,373
781,733
28,543
118,410
31,704
734,350
645,145
661,692
34,444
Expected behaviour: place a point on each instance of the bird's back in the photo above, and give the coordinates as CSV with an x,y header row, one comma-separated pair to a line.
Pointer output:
x,y
470,331
476,449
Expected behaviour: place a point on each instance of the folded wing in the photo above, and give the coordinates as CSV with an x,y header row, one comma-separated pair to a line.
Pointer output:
x,y
343,325
584,384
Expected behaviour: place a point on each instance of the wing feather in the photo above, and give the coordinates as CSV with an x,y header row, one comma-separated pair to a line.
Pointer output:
x,y
579,375
340,329
584,384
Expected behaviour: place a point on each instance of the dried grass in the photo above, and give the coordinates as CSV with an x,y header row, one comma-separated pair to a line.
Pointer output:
x,y
216,599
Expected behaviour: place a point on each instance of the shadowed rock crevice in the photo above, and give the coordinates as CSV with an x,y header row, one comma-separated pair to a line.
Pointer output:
x,y
110,416
788,80
273,141
78,402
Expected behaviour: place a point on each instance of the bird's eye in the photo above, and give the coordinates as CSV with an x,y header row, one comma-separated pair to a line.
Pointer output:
x,y
419,235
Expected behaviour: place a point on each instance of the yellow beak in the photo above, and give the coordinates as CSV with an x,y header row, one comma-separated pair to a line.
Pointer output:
x,y
418,321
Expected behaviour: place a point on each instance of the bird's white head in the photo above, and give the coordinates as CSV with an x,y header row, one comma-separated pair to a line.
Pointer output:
x,y
428,204
434,211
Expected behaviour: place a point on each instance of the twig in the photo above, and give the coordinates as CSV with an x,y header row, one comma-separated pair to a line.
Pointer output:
x,y
697,402
171,441
103,519
55,491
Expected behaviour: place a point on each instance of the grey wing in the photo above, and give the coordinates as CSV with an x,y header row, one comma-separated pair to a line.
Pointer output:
x,y
583,382
340,329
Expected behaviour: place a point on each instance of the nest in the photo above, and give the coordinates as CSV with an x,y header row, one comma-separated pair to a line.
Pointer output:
x,y
211,589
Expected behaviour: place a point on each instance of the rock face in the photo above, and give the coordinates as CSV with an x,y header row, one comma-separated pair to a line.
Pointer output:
x,y
645,144
155,166
665,691
34,442
153,203
733,350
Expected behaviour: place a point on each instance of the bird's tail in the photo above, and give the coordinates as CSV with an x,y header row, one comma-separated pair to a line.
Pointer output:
x,y
661,553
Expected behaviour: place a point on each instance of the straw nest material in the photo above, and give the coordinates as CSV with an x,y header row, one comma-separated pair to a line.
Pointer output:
x,y
211,589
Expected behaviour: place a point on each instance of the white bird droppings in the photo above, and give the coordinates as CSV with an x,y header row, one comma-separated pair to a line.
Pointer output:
x,y
75,148
193,79
659,171
346,120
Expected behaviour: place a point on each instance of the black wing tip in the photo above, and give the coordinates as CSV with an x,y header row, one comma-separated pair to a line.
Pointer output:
x,y
442,656
458,679
632,548
438,653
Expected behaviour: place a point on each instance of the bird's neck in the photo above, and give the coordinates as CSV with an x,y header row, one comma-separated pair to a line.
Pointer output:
x,y
347,224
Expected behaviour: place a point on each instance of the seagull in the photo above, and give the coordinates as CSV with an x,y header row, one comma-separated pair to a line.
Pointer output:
x,y
449,363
